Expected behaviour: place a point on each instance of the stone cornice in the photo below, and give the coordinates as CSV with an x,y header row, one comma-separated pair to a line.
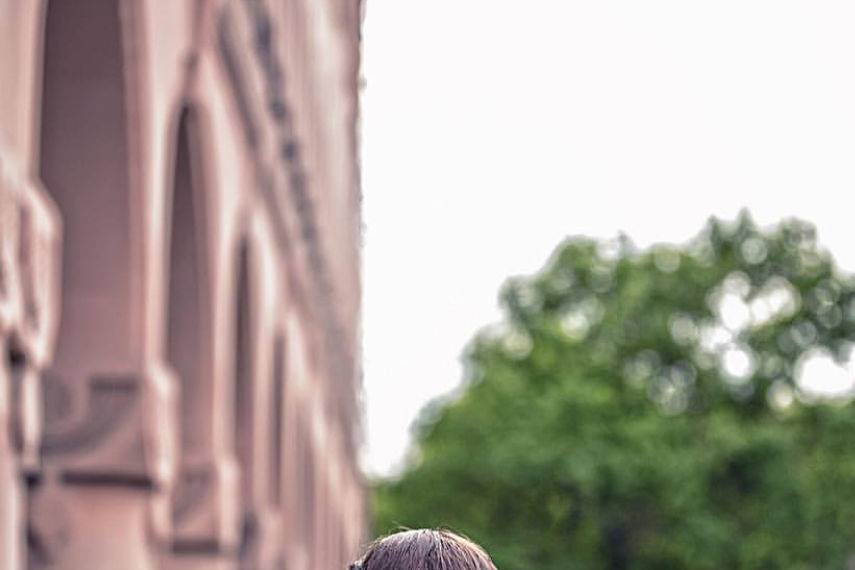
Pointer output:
x,y
285,187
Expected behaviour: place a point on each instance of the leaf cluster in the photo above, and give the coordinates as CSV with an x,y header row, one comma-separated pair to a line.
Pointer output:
x,y
665,408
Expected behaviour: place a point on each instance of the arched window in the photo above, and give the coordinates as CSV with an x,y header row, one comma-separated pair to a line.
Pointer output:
x,y
244,387
83,161
307,490
277,420
188,322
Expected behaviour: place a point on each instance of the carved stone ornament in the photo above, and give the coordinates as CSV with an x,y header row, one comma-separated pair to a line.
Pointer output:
x,y
9,239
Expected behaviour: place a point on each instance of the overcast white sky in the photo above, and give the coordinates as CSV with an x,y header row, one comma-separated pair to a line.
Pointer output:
x,y
493,129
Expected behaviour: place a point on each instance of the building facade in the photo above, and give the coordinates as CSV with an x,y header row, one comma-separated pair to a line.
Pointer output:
x,y
179,284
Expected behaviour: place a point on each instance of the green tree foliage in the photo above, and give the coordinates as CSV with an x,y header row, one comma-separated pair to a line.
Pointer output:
x,y
666,408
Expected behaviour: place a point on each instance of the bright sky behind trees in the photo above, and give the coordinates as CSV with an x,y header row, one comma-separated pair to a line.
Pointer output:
x,y
493,129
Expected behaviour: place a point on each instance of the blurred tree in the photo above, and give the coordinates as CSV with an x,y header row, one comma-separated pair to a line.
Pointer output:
x,y
679,407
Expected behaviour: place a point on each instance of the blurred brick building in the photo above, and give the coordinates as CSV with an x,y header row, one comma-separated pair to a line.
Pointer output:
x,y
179,233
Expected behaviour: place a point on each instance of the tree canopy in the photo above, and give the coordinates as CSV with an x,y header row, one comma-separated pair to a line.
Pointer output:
x,y
674,407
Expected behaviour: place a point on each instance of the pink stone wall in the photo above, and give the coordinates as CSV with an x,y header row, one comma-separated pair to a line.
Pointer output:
x,y
179,284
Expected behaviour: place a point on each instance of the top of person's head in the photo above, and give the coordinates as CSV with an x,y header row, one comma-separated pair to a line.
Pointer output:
x,y
424,550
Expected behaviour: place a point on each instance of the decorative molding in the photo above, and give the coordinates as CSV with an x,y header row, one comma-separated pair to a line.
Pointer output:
x,y
111,401
26,414
290,167
194,488
107,479
204,510
38,260
10,214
